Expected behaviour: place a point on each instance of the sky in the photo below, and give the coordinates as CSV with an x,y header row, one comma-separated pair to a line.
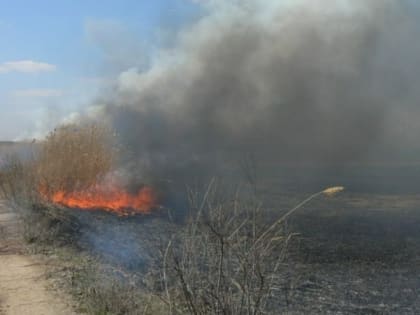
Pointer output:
x,y
56,56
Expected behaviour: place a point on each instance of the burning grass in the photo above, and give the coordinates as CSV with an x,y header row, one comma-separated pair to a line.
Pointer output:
x,y
74,166
69,169
112,199
227,258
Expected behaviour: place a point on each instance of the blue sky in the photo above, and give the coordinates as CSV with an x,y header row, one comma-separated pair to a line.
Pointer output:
x,y
56,54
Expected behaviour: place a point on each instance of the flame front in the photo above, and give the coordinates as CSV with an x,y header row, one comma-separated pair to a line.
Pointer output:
x,y
112,199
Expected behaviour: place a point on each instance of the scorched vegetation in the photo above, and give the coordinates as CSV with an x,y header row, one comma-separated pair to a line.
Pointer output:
x,y
227,256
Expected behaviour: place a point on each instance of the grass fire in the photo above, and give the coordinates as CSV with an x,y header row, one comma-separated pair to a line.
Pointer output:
x,y
253,157
112,199
75,165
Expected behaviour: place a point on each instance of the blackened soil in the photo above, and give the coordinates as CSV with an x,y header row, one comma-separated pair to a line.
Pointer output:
x,y
354,254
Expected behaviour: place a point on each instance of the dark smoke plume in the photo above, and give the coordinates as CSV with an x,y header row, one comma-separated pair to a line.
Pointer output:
x,y
319,82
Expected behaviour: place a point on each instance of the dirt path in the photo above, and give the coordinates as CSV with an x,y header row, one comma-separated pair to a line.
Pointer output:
x,y
23,287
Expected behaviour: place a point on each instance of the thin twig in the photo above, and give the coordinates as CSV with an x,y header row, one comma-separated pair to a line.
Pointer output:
x,y
286,215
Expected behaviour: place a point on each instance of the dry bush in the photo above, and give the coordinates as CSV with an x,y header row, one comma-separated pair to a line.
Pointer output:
x,y
71,157
229,257
42,222
17,181
219,264
74,157
106,294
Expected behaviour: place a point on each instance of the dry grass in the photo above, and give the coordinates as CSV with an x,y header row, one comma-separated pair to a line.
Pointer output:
x,y
74,157
227,259
71,157
17,181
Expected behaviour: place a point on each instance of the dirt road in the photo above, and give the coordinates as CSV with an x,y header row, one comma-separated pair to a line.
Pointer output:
x,y
23,287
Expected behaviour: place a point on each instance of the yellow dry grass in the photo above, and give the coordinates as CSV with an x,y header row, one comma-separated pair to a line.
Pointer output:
x,y
74,157
331,191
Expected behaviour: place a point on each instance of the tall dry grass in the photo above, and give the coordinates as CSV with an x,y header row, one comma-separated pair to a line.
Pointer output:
x,y
74,157
17,181
71,157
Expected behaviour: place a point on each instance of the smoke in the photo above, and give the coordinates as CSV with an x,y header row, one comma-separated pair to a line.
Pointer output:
x,y
320,82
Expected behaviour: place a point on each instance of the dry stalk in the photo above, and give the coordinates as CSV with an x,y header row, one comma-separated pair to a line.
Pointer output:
x,y
225,261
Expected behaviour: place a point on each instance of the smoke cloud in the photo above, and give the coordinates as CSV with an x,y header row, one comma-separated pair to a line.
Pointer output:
x,y
321,82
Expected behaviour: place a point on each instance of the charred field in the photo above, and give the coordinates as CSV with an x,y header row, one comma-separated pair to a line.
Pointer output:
x,y
357,256
358,252
353,253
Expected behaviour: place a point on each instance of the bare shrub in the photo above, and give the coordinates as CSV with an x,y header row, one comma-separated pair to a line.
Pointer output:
x,y
228,259
216,266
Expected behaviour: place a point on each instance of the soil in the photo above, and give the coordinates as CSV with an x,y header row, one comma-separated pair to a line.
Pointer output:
x,y
23,286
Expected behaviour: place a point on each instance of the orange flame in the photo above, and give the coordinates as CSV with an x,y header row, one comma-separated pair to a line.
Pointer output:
x,y
112,199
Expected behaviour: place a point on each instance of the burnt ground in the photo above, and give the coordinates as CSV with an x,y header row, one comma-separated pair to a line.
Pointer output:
x,y
355,253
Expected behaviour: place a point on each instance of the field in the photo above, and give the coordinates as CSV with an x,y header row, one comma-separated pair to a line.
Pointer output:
x,y
358,252
355,252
